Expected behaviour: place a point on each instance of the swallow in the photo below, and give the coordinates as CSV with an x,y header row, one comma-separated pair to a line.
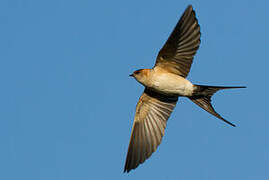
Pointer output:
x,y
164,83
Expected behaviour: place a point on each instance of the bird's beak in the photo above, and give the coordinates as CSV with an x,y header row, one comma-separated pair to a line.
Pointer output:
x,y
132,75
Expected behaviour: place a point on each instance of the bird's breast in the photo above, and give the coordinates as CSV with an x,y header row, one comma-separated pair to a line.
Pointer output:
x,y
171,84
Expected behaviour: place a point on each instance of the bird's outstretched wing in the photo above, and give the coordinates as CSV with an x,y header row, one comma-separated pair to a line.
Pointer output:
x,y
177,53
152,113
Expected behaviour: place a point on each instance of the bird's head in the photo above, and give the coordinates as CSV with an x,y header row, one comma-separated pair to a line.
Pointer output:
x,y
141,75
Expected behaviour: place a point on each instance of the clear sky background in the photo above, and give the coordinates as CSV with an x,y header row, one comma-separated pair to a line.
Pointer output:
x,y
67,103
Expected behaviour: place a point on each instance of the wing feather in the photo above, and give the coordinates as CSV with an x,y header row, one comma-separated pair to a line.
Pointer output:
x,y
177,53
152,113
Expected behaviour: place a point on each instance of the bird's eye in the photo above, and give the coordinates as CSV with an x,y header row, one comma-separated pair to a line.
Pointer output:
x,y
137,72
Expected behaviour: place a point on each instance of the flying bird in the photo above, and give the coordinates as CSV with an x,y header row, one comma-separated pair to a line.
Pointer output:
x,y
164,83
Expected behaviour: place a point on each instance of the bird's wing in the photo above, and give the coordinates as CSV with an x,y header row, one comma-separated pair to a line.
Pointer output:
x,y
152,113
177,53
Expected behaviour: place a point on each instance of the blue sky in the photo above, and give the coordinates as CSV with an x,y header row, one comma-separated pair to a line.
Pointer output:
x,y
67,102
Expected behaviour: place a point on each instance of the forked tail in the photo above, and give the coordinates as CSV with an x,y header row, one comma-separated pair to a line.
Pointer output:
x,y
202,97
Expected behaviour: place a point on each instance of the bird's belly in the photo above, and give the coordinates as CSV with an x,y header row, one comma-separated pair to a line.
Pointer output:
x,y
171,84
